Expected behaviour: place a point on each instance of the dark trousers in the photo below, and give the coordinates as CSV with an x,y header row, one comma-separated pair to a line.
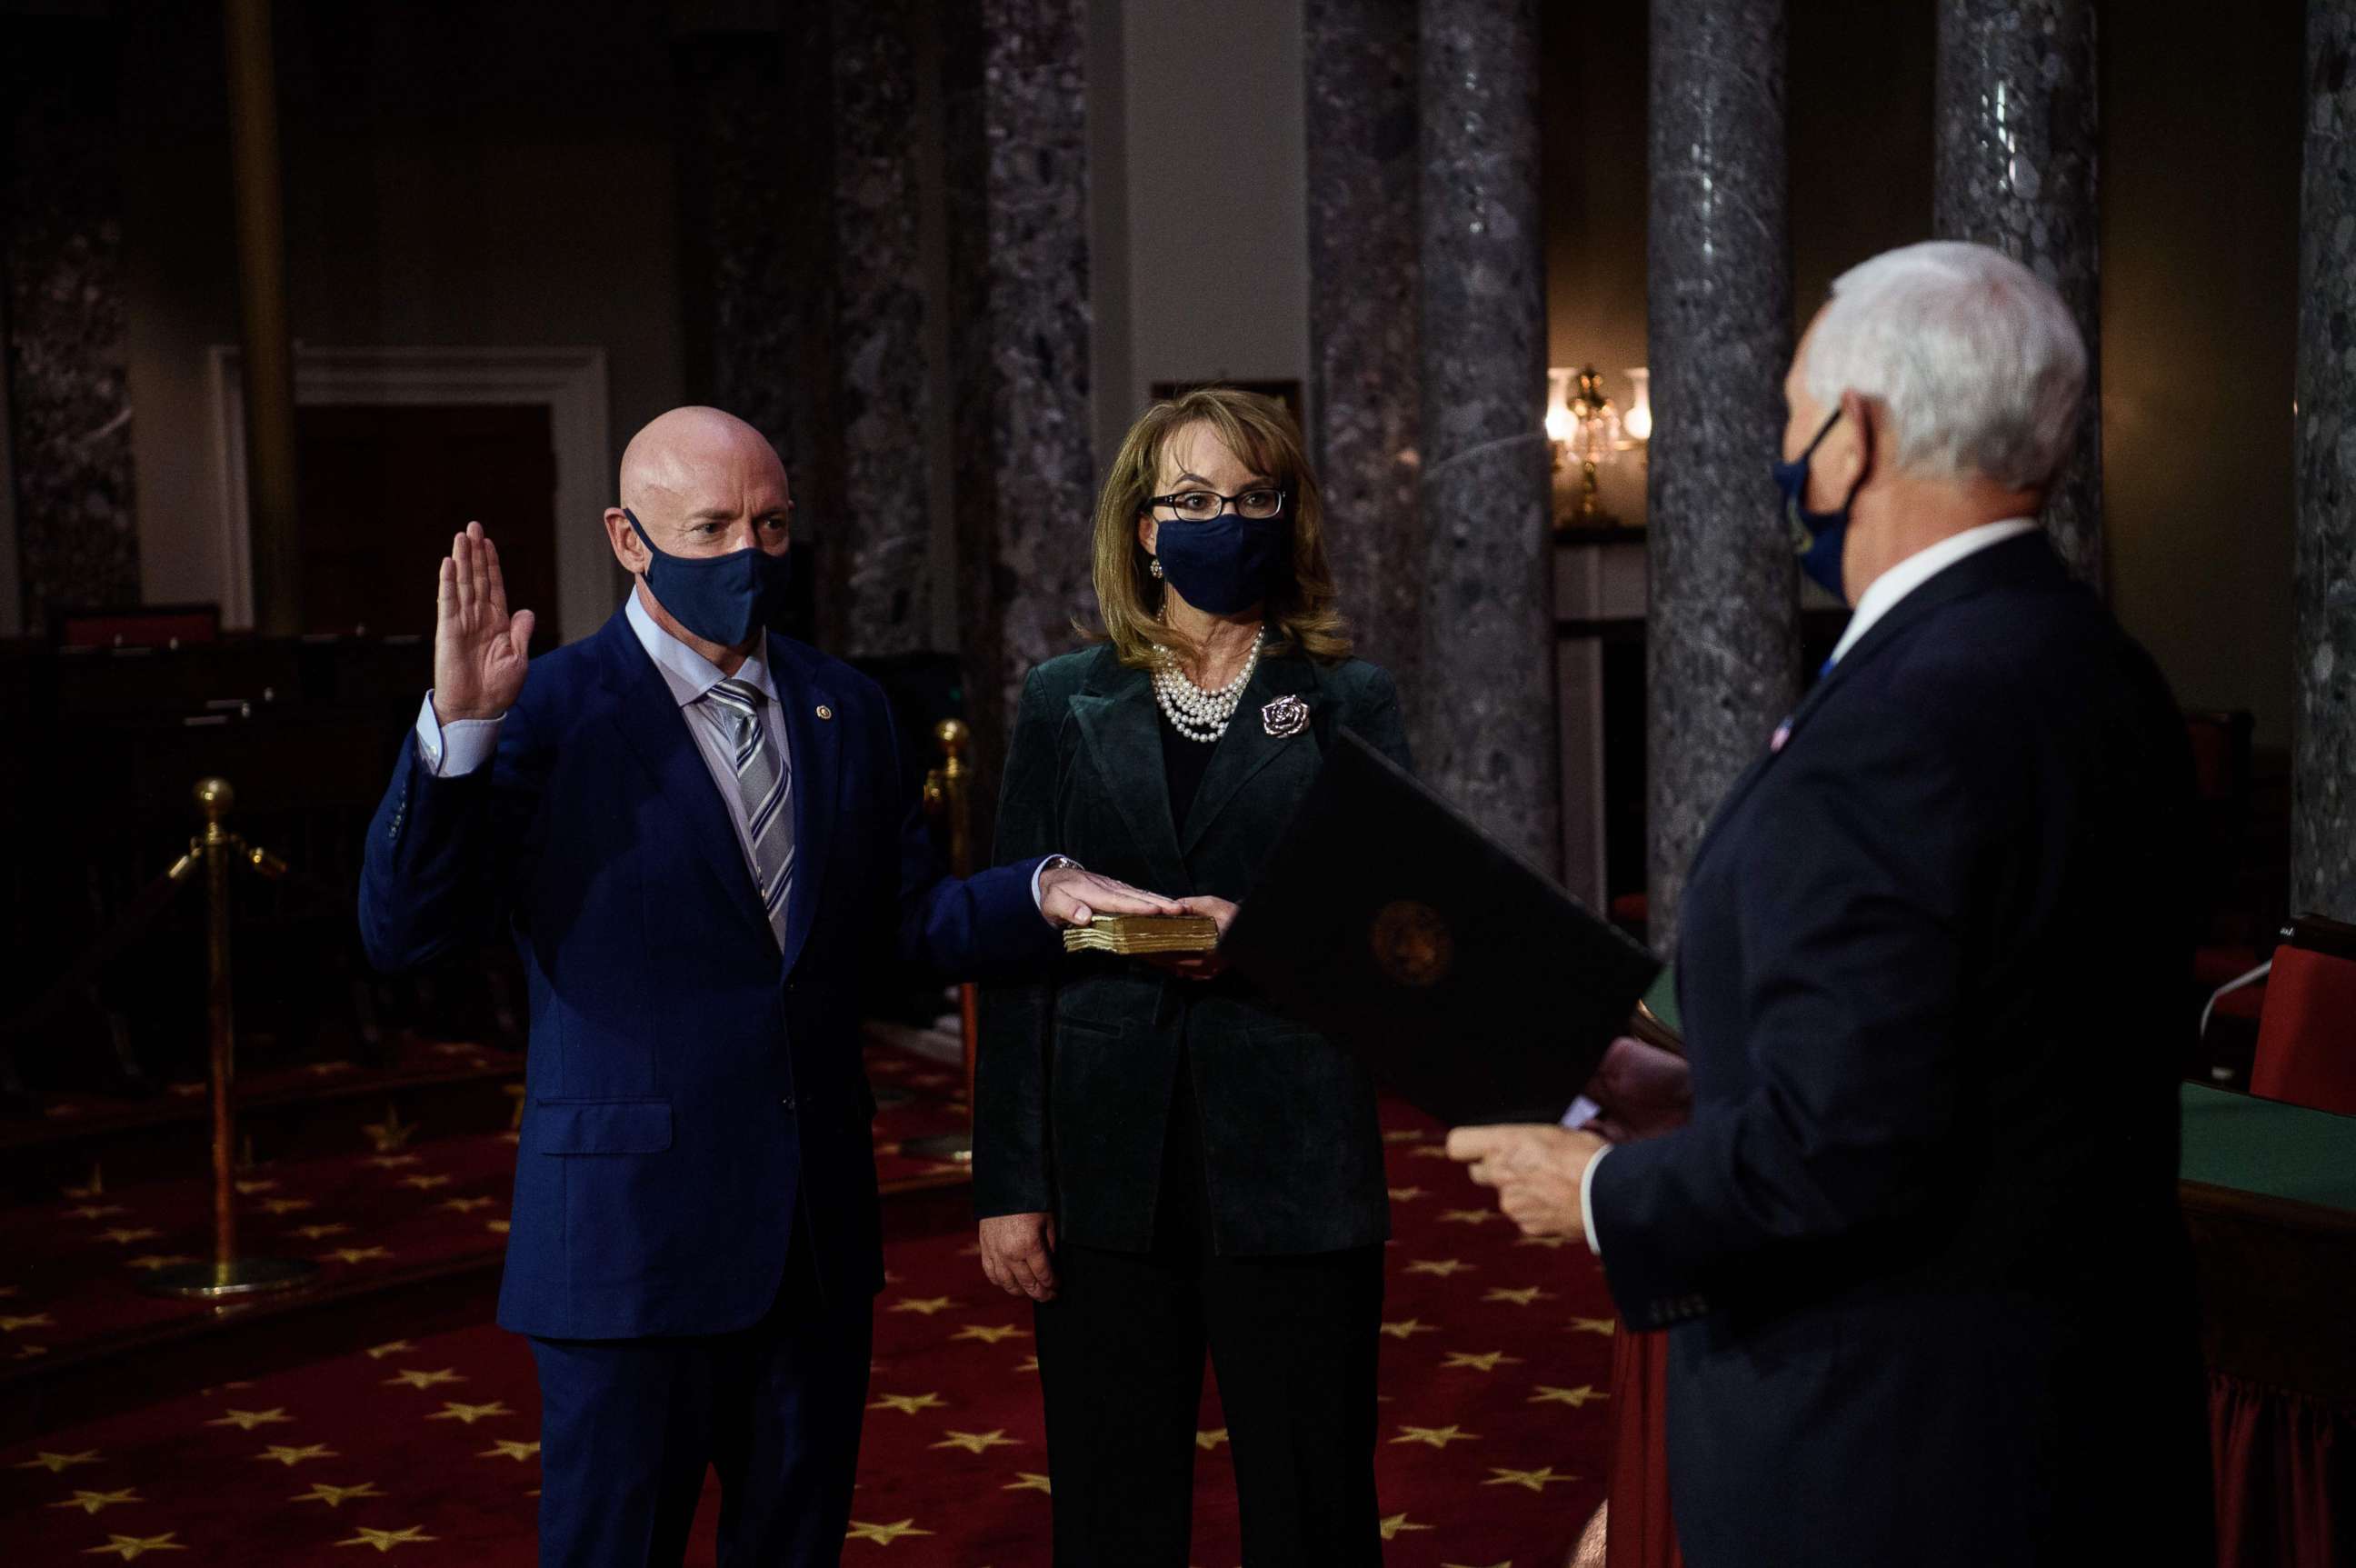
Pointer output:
x,y
629,1426
1120,1363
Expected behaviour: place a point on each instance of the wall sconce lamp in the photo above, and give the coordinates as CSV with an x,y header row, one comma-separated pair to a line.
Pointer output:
x,y
1587,429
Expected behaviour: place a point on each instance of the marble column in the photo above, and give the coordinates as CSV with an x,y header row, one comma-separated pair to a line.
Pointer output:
x,y
756,139
68,341
883,389
2016,169
1483,714
2323,736
1364,282
1014,106
1722,623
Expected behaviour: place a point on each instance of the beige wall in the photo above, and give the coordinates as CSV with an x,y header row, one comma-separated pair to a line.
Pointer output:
x,y
1209,104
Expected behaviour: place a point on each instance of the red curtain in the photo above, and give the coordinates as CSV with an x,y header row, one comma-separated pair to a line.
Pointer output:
x,y
1641,1534
2285,1479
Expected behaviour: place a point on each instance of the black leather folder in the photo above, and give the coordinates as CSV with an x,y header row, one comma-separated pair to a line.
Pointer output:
x,y
1466,979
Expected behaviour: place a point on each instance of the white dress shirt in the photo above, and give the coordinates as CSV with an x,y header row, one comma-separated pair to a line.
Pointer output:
x,y
458,748
1881,596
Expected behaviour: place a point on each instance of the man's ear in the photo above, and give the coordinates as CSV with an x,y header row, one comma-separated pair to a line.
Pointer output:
x,y
1861,454
628,548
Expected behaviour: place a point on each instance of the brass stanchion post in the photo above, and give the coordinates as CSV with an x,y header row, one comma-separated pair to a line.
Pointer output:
x,y
217,849
944,794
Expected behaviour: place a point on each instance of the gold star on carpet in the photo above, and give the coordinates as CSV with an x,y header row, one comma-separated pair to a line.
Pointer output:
x,y
1522,1297
496,1227
92,1502
1549,1242
290,1457
334,1496
97,1187
159,1260
1429,1151
1397,1523
425,1183
1576,1398
1603,1326
37,1320
392,1347
1469,1216
989,1335
390,1135
26,1352
318,1232
55,1462
470,1414
927,1304
1408,1328
386,1540
466,1205
129,1547
1443,1267
358,1254
1405,1194
247,1420
327,1069
1027,1481
1402,1135
1028,1364
509,1448
909,1405
976,1442
1437,1436
1207,1441
124,1235
883,1534
283,1205
1508,1562
1484,1363
248,1189
417,1379
97,1210
393,1161
1536,1480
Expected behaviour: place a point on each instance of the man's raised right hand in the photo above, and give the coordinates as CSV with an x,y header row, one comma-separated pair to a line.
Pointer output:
x,y
480,650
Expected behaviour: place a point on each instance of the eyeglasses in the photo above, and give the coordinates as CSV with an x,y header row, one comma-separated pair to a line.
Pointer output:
x,y
1201,506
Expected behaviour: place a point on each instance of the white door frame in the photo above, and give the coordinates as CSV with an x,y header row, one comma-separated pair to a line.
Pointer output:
x,y
570,382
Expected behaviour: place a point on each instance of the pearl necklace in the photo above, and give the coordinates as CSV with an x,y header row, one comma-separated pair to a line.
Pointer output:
x,y
1193,712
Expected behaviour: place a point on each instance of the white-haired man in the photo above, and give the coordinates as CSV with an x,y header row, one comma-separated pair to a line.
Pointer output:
x,y
1929,1297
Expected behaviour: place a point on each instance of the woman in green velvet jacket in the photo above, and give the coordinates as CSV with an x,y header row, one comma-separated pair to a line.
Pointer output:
x,y
1161,1162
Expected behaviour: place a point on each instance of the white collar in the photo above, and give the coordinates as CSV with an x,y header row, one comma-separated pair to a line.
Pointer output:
x,y
688,674
1881,595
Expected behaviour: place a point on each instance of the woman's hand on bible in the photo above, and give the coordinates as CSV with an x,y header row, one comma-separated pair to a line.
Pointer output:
x,y
1200,966
1018,1255
479,650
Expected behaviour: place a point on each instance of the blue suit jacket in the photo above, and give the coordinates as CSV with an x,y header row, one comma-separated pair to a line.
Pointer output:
x,y
1931,1297
688,1084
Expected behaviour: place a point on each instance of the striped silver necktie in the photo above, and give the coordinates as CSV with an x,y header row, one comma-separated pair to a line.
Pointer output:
x,y
763,786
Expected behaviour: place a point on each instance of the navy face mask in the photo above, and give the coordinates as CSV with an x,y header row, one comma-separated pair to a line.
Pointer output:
x,y
1816,536
721,598
1227,564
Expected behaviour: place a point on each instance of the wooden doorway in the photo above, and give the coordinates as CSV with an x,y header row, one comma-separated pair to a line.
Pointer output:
x,y
383,487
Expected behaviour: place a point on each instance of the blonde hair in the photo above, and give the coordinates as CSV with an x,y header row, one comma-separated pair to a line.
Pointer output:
x,y
1301,609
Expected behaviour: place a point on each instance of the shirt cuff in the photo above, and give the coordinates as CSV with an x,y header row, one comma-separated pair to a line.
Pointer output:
x,y
457,748
1039,871
1582,1111
1586,1201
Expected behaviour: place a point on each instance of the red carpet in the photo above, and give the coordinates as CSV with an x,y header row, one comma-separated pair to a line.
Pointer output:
x,y
1495,1430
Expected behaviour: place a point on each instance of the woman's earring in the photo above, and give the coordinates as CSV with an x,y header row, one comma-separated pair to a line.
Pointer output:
x,y
1154,565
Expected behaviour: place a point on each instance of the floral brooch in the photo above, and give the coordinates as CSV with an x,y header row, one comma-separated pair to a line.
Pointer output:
x,y
1284,717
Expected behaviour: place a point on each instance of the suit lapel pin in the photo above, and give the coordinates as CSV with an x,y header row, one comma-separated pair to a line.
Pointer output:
x,y
1286,716
824,712
1782,734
